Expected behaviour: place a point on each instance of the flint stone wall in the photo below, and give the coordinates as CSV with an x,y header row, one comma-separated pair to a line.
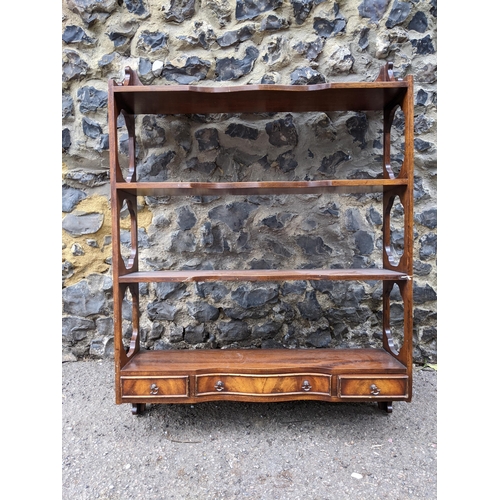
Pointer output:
x,y
235,42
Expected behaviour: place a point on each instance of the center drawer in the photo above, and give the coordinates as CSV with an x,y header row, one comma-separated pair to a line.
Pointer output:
x,y
262,385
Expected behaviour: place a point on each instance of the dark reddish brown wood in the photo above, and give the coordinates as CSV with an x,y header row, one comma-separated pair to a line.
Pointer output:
x,y
254,374
262,275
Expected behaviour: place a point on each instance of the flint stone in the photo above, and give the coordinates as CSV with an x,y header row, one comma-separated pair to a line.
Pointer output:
x,y
205,167
319,339
233,215
310,50
423,294
236,36
256,297
104,326
170,290
428,246
266,331
357,126
153,135
313,245
152,41
93,10
83,299
136,7
66,139
155,167
364,242
230,68
71,197
274,23
202,311
282,132
293,287
78,224
75,329
77,35
330,163
185,218
122,34
233,331
74,67
161,311
67,106
242,131
423,46
306,76
182,242
208,139
399,13
91,128
88,179
248,9
179,11
327,27
418,23
363,41
195,334
310,307
428,218
373,9
216,291
194,69
302,9
91,99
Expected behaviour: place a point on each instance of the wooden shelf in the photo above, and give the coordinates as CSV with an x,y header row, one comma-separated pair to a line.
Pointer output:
x,y
262,275
259,188
190,99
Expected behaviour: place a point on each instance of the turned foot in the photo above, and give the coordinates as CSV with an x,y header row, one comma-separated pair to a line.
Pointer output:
x,y
385,406
138,408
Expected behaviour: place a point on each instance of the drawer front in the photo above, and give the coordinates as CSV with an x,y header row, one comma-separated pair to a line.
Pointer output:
x,y
372,386
157,387
263,385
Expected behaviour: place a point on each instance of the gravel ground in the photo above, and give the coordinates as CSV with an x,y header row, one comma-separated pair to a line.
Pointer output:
x,y
228,450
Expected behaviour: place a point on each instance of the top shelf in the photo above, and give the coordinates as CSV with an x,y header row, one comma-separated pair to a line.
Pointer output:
x,y
135,98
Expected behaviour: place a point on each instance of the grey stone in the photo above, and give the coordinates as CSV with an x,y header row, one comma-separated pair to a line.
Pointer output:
x,y
331,210
151,41
255,297
91,128
75,329
293,287
313,245
170,290
80,300
421,145
182,241
242,131
178,11
93,10
136,7
208,139
310,308
88,179
423,46
106,60
230,68
205,167
187,70
423,294
311,50
78,36
277,248
286,161
195,334
67,105
302,9
274,23
374,217
306,76
153,135
155,167
319,339
104,326
233,331
233,214
330,163
248,9
185,218
66,139
363,41
373,9
418,23
236,36
328,27
121,34
77,224
282,132
399,13
212,239
357,126
266,330
161,310
204,36
202,311
91,99
364,242
428,246
216,291
73,67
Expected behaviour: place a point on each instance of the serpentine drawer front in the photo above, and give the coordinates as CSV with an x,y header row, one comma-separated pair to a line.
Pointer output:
x,y
377,387
262,385
160,387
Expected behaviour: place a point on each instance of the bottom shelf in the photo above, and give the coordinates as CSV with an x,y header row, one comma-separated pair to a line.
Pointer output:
x,y
190,376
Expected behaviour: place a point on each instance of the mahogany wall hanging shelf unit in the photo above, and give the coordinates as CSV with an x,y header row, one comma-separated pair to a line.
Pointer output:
x,y
381,375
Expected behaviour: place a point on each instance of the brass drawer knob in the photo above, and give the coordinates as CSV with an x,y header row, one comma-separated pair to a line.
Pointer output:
x,y
374,390
219,386
153,389
306,386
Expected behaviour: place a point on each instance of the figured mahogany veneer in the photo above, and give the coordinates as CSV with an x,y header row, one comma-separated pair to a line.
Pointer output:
x,y
188,376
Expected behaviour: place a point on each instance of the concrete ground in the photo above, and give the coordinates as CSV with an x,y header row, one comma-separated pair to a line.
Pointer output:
x,y
228,450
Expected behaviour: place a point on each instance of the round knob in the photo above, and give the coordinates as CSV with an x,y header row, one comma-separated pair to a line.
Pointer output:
x,y
153,389
219,386
306,386
374,390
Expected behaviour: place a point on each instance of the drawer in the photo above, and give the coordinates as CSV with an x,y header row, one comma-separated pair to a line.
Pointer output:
x,y
263,385
157,387
350,386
